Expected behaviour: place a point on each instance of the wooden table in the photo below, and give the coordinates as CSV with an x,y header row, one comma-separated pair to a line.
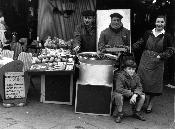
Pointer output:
x,y
56,86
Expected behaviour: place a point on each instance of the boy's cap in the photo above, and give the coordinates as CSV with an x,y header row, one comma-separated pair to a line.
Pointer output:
x,y
88,13
116,15
130,63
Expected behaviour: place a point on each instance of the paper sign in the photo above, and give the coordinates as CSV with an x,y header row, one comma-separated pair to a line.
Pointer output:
x,y
14,85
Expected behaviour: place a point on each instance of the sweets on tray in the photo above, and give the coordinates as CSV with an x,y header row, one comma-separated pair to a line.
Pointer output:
x,y
53,59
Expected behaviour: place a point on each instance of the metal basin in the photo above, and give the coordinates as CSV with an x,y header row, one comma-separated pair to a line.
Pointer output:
x,y
96,72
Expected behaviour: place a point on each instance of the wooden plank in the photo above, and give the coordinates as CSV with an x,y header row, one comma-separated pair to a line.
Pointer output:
x,y
71,88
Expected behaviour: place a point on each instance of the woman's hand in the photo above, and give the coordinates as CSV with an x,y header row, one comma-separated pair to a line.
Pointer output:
x,y
158,57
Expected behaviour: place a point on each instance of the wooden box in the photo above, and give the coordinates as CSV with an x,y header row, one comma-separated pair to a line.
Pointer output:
x,y
93,99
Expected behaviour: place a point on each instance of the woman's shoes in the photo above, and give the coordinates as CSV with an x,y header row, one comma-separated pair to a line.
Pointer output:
x,y
148,111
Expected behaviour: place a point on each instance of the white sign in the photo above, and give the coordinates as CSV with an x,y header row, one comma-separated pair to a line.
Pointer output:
x,y
14,85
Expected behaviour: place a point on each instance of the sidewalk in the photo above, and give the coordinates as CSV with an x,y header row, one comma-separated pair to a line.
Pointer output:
x,y
36,115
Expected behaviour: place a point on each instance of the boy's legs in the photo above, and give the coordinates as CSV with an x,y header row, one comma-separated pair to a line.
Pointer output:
x,y
118,98
137,114
140,102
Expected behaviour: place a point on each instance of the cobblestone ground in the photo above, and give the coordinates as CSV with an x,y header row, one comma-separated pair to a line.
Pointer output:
x,y
36,115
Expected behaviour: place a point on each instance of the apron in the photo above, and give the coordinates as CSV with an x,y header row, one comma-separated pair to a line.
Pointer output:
x,y
88,40
88,43
151,71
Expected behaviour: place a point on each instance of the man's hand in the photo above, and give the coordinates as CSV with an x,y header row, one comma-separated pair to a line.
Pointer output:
x,y
133,99
77,48
107,46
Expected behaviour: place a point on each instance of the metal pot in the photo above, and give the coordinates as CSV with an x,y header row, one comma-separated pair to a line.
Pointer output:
x,y
96,72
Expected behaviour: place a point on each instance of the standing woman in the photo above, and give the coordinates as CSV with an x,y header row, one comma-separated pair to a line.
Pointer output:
x,y
157,47
2,29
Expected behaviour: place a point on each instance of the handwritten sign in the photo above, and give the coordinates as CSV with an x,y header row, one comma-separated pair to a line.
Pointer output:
x,y
14,85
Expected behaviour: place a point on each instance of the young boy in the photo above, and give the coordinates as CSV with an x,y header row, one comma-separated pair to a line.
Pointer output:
x,y
128,86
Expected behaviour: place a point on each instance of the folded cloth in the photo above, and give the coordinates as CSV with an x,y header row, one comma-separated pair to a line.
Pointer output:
x,y
5,60
171,86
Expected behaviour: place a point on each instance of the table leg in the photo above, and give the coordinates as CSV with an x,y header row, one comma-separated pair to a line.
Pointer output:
x,y
71,88
42,98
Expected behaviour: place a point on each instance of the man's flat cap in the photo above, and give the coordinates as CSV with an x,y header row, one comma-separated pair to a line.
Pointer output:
x,y
88,13
116,15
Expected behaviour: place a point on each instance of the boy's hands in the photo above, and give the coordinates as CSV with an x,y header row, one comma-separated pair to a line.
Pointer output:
x,y
133,99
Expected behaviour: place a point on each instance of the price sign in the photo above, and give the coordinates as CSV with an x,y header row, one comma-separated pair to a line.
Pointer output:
x,y
14,85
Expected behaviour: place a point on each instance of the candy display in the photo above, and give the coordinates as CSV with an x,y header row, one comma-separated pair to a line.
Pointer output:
x,y
57,43
53,59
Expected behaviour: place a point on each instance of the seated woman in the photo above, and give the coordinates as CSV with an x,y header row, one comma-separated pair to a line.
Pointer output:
x,y
128,87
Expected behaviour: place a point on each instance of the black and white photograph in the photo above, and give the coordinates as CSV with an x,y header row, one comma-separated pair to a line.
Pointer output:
x,y
106,20
87,64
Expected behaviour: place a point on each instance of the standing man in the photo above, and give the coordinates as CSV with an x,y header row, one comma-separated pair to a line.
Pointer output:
x,y
115,35
85,33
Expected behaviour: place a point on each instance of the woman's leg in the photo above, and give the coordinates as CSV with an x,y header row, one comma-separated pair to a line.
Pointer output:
x,y
150,103
147,98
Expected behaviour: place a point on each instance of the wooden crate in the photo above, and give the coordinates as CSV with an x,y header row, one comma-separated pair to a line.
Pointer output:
x,y
93,99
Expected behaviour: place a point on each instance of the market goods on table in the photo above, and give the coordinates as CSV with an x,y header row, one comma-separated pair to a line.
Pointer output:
x,y
57,43
53,59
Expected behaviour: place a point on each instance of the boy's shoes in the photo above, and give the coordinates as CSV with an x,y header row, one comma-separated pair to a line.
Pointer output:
x,y
20,104
119,118
7,105
138,115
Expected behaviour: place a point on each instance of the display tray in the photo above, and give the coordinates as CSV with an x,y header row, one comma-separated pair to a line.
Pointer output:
x,y
45,67
38,72
115,49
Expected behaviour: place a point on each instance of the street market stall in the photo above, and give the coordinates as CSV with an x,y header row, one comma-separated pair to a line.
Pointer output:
x,y
55,66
